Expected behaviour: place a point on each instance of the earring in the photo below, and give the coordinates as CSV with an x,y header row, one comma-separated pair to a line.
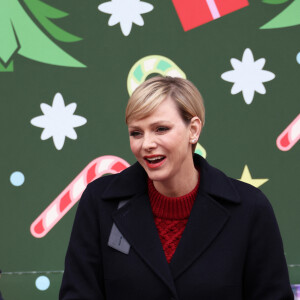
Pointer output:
x,y
194,141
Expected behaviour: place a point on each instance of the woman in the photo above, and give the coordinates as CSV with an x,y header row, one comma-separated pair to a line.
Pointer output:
x,y
171,226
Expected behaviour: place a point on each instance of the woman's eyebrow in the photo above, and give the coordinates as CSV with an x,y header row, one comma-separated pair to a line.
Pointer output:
x,y
159,122
133,127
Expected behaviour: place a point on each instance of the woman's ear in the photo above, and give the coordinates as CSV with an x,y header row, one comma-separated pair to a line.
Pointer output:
x,y
195,129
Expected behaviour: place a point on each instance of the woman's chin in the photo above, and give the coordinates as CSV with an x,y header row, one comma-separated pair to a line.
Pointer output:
x,y
157,176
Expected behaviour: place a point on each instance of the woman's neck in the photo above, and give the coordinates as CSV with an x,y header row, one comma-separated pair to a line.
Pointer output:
x,y
178,185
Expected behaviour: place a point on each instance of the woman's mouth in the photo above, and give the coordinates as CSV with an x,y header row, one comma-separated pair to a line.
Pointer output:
x,y
154,161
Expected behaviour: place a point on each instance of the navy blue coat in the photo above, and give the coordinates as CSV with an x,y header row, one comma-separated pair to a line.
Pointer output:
x,y
231,248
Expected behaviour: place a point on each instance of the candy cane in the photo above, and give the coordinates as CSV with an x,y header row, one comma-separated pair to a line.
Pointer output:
x,y
72,193
150,65
290,136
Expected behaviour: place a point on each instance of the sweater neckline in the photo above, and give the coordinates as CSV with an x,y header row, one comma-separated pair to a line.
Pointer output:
x,y
171,207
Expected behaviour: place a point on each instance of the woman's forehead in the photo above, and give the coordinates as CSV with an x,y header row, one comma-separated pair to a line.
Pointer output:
x,y
166,112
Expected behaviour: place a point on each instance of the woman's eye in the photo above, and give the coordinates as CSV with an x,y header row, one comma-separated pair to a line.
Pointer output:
x,y
162,129
135,133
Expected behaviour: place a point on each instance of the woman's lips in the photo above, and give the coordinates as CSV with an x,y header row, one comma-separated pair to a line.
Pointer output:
x,y
154,161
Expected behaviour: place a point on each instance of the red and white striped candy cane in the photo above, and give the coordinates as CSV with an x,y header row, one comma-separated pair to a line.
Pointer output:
x,y
290,136
107,164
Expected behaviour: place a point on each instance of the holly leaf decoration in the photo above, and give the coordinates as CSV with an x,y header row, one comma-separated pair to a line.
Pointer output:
x,y
288,17
274,1
43,12
19,34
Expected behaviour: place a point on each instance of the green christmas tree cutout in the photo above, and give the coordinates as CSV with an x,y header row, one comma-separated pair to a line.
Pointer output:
x,y
20,35
290,16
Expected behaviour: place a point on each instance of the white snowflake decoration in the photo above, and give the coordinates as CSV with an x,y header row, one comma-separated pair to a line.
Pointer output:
x,y
125,12
248,76
58,121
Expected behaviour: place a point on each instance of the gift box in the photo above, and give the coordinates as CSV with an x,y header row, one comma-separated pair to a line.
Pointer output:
x,y
193,13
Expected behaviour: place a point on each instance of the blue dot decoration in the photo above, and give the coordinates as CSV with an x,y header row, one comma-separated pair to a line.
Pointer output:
x,y
298,58
17,178
42,283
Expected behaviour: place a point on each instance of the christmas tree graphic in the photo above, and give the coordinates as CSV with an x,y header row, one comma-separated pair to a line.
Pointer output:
x,y
290,16
19,34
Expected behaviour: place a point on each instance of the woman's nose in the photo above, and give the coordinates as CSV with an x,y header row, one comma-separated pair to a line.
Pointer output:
x,y
149,142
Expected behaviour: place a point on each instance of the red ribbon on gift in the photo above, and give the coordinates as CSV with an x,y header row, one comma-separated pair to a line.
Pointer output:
x,y
193,13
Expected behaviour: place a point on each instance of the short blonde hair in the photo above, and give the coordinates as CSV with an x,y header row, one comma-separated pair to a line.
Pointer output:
x,y
152,92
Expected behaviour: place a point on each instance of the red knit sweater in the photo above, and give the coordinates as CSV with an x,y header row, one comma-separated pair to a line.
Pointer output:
x,y
171,215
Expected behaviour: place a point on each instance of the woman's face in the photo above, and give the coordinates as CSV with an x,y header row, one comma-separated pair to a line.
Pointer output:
x,y
161,143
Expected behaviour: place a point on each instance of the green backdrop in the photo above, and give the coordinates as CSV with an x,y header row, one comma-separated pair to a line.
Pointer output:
x,y
54,53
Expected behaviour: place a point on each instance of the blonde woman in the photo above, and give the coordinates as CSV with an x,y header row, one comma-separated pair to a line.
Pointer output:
x,y
171,226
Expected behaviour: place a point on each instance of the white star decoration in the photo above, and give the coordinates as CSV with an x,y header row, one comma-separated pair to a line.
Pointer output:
x,y
58,121
248,76
125,12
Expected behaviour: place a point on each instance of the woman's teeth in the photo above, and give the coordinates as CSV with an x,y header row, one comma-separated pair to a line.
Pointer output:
x,y
155,159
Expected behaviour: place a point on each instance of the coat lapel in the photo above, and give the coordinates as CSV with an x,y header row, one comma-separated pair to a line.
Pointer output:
x,y
135,221
206,221
207,218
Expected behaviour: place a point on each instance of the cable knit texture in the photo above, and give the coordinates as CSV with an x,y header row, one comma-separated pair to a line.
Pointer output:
x,y
171,215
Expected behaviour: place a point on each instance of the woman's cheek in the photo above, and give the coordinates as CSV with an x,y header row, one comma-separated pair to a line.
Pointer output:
x,y
134,146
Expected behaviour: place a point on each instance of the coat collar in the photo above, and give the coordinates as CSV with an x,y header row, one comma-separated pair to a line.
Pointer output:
x,y
133,181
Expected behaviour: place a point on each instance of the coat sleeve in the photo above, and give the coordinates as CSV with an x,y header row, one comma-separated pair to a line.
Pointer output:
x,y
265,274
82,279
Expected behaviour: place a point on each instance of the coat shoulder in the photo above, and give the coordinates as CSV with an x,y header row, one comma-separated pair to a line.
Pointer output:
x,y
99,185
250,195
117,186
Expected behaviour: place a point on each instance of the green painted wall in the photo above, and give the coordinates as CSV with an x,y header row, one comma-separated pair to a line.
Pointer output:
x,y
236,134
